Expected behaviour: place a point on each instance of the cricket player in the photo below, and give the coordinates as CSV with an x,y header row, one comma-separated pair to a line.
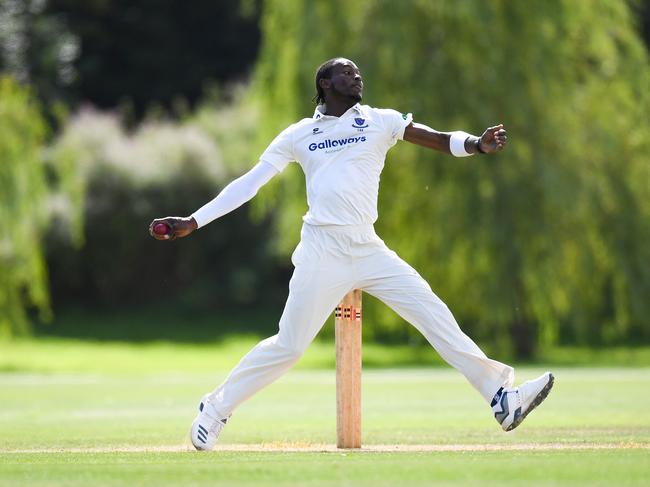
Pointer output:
x,y
341,149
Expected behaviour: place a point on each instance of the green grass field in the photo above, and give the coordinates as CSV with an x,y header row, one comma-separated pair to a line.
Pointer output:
x,y
120,416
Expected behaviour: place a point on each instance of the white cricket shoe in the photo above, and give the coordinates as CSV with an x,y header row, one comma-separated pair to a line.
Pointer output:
x,y
206,426
512,405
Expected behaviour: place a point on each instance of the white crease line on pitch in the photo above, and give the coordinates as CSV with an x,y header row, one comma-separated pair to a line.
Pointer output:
x,y
328,448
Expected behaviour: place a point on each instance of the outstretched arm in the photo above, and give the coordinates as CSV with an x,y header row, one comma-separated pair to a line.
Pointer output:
x,y
231,197
456,143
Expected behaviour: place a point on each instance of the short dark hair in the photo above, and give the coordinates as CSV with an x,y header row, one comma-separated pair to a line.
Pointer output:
x,y
324,72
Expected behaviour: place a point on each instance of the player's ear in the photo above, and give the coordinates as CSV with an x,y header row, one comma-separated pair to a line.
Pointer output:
x,y
325,83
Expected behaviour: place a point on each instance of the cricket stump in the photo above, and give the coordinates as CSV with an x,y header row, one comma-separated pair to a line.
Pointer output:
x,y
347,323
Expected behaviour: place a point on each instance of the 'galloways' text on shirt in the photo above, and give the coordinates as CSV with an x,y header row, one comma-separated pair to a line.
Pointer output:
x,y
342,158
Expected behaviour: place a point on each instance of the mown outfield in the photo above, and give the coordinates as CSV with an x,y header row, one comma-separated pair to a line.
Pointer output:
x,y
120,416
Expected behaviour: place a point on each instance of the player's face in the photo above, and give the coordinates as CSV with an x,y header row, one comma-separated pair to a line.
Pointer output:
x,y
346,80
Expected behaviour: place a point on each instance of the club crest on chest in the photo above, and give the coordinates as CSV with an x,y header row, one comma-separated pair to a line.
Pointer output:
x,y
360,123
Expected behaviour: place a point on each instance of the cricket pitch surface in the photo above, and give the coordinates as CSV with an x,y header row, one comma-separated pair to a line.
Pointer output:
x,y
326,448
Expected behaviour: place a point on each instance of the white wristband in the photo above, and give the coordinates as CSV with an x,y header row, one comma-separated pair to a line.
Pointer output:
x,y
457,143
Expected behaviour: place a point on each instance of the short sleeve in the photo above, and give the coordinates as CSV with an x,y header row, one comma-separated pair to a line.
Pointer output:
x,y
395,122
280,153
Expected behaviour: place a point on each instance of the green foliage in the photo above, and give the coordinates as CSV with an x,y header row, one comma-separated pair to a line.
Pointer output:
x,y
124,53
545,243
232,125
23,211
30,191
160,168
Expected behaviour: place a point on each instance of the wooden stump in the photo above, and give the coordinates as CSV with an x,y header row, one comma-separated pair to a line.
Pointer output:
x,y
347,322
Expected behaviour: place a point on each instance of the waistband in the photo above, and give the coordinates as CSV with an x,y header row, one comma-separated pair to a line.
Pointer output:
x,y
363,229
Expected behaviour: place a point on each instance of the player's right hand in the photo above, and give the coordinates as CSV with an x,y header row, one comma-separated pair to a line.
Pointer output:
x,y
178,227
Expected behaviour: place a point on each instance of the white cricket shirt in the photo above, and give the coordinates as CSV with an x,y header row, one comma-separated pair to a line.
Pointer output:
x,y
342,158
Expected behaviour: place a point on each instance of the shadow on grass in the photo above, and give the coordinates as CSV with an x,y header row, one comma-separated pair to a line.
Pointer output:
x,y
159,323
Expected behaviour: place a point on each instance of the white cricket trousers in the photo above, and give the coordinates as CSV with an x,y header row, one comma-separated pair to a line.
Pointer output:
x,y
329,262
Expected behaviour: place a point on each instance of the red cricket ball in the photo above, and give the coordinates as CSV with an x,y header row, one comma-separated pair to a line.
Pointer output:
x,y
161,229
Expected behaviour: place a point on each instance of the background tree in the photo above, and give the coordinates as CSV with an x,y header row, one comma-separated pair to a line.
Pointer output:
x,y
26,188
540,245
125,53
543,244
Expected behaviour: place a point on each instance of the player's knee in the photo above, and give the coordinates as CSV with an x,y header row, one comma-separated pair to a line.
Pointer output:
x,y
293,355
291,352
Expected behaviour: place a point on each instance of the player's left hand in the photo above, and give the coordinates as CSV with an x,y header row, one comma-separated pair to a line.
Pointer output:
x,y
493,139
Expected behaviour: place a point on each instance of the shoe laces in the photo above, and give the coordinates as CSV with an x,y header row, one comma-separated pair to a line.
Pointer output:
x,y
215,426
513,396
212,424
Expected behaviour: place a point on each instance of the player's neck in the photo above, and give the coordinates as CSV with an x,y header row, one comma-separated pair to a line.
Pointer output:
x,y
336,107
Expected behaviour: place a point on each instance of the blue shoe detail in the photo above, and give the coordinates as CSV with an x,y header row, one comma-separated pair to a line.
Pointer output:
x,y
496,397
201,437
505,410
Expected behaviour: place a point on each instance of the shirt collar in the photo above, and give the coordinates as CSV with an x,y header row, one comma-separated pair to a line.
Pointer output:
x,y
319,112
